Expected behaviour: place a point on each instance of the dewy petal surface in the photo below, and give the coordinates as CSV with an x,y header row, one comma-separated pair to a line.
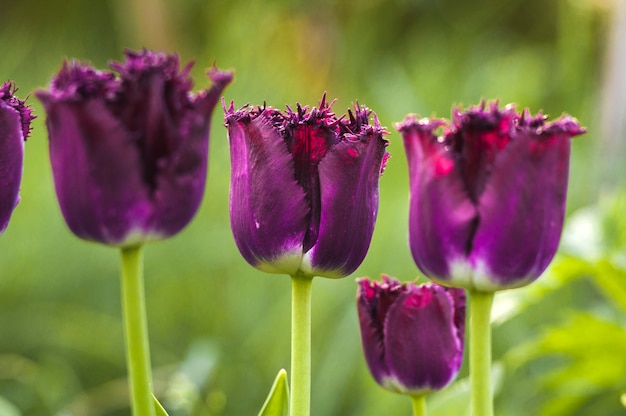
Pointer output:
x,y
268,208
349,179
15,119
522,208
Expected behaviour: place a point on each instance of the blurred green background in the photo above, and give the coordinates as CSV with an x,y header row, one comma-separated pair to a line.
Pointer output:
x,y
219,329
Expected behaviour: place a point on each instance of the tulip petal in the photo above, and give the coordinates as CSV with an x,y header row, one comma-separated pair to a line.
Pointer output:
x,y
129,152
100,200
423,349
373,301
522,208
180,183
349,181
268,210
441,215
11,160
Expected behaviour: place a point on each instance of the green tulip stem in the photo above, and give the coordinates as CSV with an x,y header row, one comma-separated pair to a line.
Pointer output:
x,y
480,353
136,330
419,405
300,403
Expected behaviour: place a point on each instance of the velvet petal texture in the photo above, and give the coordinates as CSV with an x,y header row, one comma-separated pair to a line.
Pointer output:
x,y
487,198
304,187
129,150
413,336
15,118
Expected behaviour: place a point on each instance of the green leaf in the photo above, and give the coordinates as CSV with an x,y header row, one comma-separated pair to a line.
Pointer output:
x,y
277,402
158,408
590,360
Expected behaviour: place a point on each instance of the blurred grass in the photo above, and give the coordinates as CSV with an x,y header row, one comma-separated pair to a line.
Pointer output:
x,y
61,349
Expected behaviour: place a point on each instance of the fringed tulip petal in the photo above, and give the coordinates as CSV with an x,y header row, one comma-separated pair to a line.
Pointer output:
x,y
15,118
129,152
441,216
349,177
304,187
413,336
268,211
532,214
487,199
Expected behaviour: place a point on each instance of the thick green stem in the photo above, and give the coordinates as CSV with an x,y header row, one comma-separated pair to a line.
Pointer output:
x,y
419,405
480,353
136,328
300,403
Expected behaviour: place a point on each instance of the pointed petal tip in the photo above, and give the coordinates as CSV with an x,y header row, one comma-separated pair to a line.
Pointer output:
x,y
25,111
220,77
421,124
538,124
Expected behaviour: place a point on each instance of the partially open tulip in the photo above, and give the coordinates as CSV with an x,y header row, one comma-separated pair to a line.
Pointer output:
x,y
413,336
304,187
487,199
15,118
129,151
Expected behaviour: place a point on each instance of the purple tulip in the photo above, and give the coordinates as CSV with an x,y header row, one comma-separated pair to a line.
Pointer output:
x,y
488,196
129,152
304,187
15,118
413,336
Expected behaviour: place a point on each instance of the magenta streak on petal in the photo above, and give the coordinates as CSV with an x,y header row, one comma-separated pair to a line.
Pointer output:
x,y
349,195
423,351
476,139
412,335
309,145
477,144
440,214
152,101
418,300
520,245
268,208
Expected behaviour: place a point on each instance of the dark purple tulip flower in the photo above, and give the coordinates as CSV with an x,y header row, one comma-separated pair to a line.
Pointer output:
x,y
304,187
15,118
413,336
129,151
488,196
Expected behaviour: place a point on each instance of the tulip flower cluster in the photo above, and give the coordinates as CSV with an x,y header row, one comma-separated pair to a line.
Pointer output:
x,y
129,154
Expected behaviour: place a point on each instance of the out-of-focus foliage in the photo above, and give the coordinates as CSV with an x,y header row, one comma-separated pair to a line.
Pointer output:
x,y
219,329
581,355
